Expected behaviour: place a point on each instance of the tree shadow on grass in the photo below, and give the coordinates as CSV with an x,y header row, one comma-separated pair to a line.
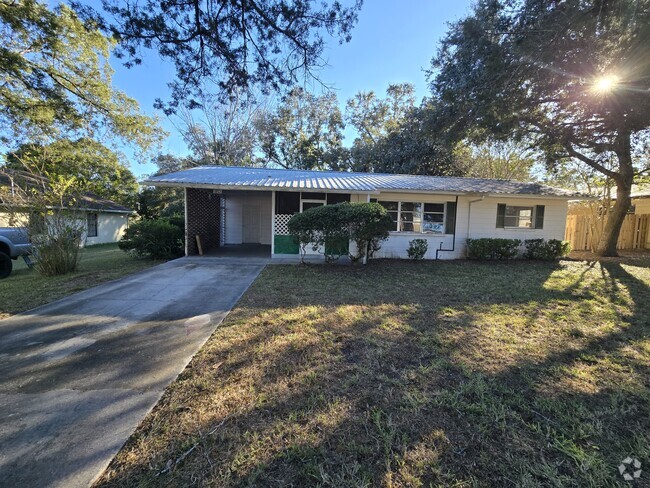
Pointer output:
x,y
342,387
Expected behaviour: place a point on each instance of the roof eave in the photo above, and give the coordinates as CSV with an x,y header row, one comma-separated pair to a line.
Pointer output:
x,y
216,186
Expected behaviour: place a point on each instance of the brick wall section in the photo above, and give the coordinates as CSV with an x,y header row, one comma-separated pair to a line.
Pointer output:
x,y
203,218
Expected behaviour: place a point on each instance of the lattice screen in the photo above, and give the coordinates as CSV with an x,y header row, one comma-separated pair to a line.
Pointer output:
x,y
281,227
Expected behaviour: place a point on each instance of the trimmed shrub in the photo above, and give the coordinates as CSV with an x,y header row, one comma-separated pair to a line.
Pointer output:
x,y
332,227
369,225
417,249
154,239
492,248
546,250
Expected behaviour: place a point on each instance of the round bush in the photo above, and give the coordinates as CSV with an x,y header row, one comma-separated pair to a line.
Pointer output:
x,y
154,239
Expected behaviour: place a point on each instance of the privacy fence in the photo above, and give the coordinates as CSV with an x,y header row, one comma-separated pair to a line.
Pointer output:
x,y
582,231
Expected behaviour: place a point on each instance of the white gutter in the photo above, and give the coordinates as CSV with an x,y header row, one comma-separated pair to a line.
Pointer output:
x,y
469,218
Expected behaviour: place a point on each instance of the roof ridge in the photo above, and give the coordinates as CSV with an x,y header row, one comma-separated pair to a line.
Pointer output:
x,y
361,173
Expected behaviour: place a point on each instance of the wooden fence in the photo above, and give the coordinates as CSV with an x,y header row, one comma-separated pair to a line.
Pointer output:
x,y
635,232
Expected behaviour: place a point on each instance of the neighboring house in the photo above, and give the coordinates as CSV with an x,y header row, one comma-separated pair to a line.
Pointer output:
x,y
232,205
106,221
641,202
103,220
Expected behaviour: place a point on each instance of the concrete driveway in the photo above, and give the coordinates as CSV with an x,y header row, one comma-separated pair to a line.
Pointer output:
x,y
78,375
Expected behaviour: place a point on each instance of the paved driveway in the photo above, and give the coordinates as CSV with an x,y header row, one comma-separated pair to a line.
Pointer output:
x,y
78,375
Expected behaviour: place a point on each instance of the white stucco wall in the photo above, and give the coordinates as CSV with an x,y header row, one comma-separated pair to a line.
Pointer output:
x,y
110,228
234,203
482,223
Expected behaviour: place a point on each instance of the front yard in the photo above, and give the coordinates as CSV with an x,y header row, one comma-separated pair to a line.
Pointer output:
x,y
26,288
412,374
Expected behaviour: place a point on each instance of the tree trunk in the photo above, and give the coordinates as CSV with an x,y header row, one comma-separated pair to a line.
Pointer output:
x,y
625,178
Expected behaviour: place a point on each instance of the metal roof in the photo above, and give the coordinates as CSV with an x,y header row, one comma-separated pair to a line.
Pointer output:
x,y
232,177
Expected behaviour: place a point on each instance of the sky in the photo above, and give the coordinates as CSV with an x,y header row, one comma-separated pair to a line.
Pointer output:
x,y
393,42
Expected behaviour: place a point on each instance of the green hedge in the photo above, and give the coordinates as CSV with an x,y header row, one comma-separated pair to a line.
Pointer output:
x,y
546,250
492,248
504,249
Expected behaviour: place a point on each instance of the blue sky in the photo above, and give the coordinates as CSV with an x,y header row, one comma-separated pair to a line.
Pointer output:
x,y
393,42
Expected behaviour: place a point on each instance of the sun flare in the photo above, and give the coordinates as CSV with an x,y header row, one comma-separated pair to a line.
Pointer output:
x,y
605,84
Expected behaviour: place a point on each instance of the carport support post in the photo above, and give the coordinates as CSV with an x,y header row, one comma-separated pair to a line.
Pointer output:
x,y
186,230
272,223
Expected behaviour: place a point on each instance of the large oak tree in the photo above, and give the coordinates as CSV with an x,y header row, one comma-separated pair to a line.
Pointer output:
x,y
55,80
571,76
237,44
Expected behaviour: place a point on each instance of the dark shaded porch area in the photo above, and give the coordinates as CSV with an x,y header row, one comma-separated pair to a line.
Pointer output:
x,y
203,219
241,251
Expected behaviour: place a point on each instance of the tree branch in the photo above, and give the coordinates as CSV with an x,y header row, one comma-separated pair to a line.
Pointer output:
x,y
591,162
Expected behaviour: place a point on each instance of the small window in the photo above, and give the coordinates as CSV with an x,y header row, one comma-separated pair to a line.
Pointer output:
x,y
334,198
92,225
392,208
410,217
287,202
519,217
434,218
312,196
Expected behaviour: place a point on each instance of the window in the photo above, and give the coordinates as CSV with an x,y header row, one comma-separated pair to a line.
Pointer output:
x,y
312,196
287,202
520,217
434,218
92,225
410,219
334,198
393,210
428,218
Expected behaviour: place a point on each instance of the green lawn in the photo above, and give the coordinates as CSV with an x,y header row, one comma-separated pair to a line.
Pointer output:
x,y
412,374
26,288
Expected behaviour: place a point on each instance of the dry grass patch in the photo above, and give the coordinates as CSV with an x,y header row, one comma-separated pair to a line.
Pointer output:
x,y
411,374
26,288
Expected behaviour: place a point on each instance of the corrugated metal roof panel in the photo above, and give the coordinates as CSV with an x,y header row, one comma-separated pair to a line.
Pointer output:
x,y
231,176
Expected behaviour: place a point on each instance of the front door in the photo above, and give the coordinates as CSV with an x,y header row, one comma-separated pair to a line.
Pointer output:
x,y
250,224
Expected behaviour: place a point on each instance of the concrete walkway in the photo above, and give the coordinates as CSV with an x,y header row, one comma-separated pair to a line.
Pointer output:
x,y
78,375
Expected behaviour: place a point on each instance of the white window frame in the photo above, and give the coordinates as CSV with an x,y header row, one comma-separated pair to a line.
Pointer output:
x,y
96,218
533,211
422,212
311,200
444,218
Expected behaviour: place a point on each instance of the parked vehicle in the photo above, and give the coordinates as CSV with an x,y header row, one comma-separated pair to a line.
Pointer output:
x,y
14,243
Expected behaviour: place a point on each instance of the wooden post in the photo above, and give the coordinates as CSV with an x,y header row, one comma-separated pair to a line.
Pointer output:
x,y
198,244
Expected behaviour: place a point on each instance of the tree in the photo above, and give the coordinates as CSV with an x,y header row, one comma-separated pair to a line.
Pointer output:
x,y
222,132
305,132
570,76
394,136
94,167
56,80
374,117
157,202
504,160
239,44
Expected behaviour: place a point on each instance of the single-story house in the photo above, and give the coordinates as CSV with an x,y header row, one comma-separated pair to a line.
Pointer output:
x,y
104,221
235,205
641,202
